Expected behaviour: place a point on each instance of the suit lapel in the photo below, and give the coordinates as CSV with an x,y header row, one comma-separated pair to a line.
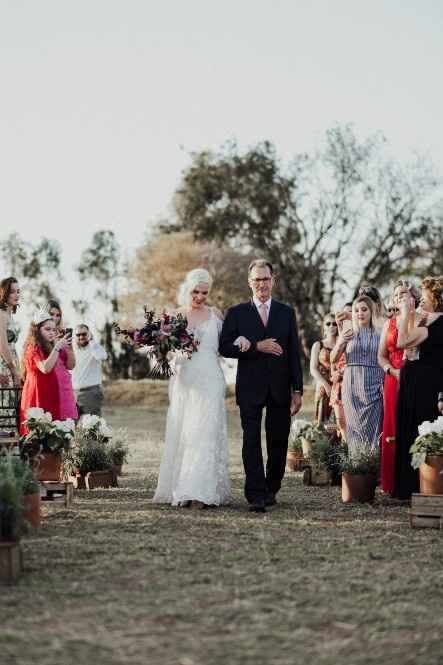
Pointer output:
x,y
256,314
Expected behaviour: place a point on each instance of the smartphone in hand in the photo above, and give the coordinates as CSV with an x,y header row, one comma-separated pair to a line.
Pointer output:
x,y
346,325
68,331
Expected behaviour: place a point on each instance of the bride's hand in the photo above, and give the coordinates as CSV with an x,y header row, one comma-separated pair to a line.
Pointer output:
x,y
243,343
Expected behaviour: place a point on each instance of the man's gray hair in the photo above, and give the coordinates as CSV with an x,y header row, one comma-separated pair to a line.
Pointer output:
x,y
260,263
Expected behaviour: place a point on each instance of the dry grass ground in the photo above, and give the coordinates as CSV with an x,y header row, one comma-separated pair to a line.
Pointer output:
x,y
116,579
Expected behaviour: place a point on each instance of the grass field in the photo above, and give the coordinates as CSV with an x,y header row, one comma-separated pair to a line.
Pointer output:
x,y
116,579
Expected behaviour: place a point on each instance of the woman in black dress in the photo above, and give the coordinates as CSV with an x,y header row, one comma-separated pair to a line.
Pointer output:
x,y
420,379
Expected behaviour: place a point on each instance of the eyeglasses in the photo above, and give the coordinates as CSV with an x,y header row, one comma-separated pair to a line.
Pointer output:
x,y
81,334
330,323
258,280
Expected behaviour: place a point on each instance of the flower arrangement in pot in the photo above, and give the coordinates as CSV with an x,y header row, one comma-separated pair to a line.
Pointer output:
x,y
359,467
46,441
294,458
11,493
309,434
91,458
427,456
119,449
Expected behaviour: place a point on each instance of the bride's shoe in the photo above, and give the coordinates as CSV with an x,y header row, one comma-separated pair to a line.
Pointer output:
x,y
197,505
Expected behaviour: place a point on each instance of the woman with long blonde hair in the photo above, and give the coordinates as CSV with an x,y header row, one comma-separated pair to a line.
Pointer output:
x,y
320,368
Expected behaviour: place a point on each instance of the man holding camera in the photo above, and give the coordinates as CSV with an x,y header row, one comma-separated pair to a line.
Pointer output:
x,y
87,374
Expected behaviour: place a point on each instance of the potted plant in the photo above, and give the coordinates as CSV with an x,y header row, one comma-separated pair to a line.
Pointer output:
x,y
294,458
94,428
11,493
309,434
31,496
359,468
89,462
427,456
119,450
45,441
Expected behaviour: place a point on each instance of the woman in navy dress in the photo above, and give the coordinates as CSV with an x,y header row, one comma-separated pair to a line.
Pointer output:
x,y
362,390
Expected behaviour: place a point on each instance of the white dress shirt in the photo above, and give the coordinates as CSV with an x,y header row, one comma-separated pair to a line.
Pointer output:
x,y
258,303
88,365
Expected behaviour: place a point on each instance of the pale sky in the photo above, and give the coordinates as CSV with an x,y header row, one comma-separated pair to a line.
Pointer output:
x,y
101,100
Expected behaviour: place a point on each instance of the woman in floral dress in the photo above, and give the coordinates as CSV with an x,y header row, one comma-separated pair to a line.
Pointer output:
x,y
9,363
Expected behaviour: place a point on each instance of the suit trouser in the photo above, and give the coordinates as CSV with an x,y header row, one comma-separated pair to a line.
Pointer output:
x,y
277,426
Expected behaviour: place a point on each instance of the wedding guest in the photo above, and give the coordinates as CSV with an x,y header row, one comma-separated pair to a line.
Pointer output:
x,y
87,373
440,402
391,359
391,309
337,371
41,354
363,378
374,294
9,363
64,365
421,379
320,368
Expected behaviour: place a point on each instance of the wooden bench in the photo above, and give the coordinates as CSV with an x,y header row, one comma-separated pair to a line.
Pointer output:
x,y
63,487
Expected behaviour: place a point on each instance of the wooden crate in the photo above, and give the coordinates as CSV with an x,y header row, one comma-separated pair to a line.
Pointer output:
x,y
63,487
426,511
101,479
11,562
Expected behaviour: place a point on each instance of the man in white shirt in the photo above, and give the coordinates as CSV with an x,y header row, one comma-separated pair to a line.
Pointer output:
x,y
87,374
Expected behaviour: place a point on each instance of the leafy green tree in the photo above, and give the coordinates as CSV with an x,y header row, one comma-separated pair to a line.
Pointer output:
x,y
36,266
327,221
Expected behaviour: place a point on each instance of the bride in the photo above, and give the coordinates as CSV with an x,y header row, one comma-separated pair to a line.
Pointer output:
x,y
194,468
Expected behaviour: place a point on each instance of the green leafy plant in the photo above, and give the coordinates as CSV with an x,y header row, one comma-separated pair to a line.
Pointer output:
x,y
118,447
11,493
361,459
45,434
429,442
296,435
87,455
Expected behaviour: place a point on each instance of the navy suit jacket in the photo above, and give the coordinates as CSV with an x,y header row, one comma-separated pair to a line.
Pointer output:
x,y
259,373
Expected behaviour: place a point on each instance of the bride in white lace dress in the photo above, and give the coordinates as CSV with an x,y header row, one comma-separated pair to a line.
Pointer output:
x,y
194,468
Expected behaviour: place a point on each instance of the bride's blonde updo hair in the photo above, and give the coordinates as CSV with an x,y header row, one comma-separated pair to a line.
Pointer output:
x,y
194,277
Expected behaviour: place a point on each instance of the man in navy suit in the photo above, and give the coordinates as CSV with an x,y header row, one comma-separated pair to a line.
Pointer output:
x,y
262,335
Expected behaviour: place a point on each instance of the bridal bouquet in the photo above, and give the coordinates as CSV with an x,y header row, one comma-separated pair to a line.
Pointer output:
x,y
162,336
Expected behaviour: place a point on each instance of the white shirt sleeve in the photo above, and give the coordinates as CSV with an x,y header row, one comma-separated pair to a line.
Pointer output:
x,y
97,350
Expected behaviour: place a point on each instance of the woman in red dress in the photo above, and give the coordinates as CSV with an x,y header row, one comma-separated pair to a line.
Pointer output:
x,y
391,359
40,357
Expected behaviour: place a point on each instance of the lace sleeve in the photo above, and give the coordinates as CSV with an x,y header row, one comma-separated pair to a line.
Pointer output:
x,y
218,319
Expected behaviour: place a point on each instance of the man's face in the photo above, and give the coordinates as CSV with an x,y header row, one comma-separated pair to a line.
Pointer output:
x,y
82,336
261,282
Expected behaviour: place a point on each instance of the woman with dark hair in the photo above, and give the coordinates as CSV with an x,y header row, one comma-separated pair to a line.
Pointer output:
x,y
363,378
421,378
9,363
320,368
41,354
65,363
391,359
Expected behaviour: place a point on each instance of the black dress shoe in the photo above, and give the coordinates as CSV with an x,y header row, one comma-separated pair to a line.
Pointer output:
x,y
257,507
270,499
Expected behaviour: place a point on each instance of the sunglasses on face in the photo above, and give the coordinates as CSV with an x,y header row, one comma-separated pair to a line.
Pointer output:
x,y
81,334
393,310
330,323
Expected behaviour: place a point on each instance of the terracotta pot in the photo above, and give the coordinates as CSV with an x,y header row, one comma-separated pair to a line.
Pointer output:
x,y
49,466
431,475
306,447
357,487
294,461
31,509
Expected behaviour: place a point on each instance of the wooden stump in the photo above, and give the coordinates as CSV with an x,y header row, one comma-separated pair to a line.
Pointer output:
x,y
11,562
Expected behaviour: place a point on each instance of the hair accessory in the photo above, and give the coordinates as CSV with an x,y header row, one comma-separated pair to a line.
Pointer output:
x,y
41,315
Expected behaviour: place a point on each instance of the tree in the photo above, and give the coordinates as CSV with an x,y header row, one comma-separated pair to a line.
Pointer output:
x,y
161,263
101,267
36,266
327,222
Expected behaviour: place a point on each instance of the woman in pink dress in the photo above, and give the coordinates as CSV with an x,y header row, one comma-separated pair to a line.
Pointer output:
x,y
64,365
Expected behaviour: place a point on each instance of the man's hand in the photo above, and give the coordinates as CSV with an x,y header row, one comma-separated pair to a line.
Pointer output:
x,y
269,346
243,343
296,403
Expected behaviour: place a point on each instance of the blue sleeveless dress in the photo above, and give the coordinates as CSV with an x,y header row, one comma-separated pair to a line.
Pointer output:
x,y
362,390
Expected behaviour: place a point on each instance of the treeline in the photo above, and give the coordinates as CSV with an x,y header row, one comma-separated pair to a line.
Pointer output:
x,y
328,221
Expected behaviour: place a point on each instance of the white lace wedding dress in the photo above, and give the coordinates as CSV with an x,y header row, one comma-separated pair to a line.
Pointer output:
x,y
195,458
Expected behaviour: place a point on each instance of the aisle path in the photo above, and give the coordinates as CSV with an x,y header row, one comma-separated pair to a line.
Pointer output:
x,y
118,580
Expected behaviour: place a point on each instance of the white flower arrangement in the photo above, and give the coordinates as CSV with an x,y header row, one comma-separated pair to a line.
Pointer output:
x,y
51,435
94,427
428,442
